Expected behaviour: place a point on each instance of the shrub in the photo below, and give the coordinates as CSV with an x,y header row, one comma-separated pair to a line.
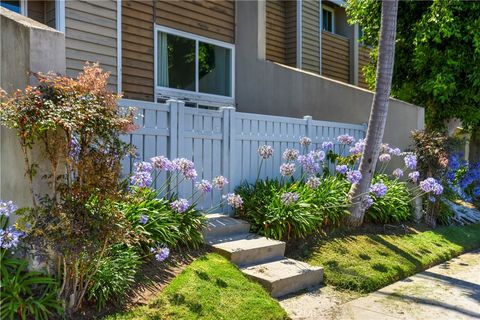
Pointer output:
x,y
394,206
115,274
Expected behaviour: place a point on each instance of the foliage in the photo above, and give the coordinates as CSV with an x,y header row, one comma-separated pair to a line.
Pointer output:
x,y
74,126
436,57
370,261
164,225
394,206
431,149
209,288
115,274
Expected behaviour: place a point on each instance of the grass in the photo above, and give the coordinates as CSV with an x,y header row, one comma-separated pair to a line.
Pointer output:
x,y
209,288
368,262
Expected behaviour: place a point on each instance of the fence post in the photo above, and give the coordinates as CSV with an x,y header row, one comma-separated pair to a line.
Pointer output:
x,y
173,129
228,155
309,127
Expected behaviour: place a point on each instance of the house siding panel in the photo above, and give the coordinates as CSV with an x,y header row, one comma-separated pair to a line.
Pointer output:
x,y
281,31
363,60
335,57
91,35
311,36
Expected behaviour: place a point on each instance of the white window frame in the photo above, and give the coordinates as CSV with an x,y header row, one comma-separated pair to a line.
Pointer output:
x,y
60,15
194,96
326,8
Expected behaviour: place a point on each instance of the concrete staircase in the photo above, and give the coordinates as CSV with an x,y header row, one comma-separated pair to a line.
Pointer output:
x,y
259,258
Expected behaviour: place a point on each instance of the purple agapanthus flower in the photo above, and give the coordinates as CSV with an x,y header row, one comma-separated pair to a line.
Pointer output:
x,y
180,205
190,174
378,189
162,163
141,179
367,202
358,147
313,182
289,197
395,151
265,151
384,157
341,168
161,252
204,186
290,154
317,155
234,200
414,176
410,161
143,166
397,173
354,176
219,182
144,219
308,164
183,165
327,145
305,141
10,237
287,169
7,208
345,139
431,185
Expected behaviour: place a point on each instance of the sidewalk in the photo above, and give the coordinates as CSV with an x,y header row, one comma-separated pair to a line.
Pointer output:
x,y
448,291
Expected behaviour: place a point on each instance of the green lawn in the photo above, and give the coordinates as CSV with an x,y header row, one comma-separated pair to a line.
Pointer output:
x,y
365,263
209,288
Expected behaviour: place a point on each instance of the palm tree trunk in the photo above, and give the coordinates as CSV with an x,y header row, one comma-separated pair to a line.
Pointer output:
x,y
378,114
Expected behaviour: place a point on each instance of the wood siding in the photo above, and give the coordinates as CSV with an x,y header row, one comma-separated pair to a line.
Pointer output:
x,y
311,36
91,35
281,31
42,11
213,19
363,60
137,49
335,57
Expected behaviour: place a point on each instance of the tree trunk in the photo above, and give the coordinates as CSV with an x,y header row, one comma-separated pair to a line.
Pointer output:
x,y
378,113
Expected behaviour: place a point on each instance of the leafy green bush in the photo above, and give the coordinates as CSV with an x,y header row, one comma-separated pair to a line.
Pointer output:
x,y
26,294
394,206
115,274
162,225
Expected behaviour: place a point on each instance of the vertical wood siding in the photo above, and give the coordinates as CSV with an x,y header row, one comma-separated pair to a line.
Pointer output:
x,y
311,36
281,31
363,60
209,18
91,35
137,49
335,57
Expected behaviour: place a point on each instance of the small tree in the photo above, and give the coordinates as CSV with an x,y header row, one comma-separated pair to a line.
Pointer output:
x,y
378,114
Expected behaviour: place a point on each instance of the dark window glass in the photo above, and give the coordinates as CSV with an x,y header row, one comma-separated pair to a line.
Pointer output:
x,y
327,20
11,5
214,71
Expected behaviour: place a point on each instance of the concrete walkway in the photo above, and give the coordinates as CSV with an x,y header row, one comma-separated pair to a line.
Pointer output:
x,y
448,291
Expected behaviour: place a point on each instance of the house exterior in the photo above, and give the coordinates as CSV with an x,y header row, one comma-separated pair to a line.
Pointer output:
x,y
288,58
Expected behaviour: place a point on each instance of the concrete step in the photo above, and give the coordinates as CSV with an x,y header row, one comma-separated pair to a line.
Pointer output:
x,y
250,249
285,276
219,225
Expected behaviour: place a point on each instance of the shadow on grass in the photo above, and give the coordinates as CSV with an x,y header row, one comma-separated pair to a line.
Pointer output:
x,y
179,299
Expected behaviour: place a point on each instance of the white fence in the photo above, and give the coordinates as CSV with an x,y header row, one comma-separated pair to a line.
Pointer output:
x,y
223,142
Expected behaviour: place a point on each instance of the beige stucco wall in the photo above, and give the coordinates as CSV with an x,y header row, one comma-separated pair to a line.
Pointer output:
x,y
269,88
26,45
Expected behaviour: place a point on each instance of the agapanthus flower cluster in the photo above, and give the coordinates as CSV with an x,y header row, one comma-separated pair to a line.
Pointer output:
x,y
204,186
395,151
305,141
357,149
378,189
141,179
354,176
367,202
144,219
341,168
7,208
289,197
265,151
161,252
10,237
219,182
410,161
431,185
397,173
234,200
414,176
290,154
162,163
463,177
186,167
180,205
313,182
143,166
287,169
384,157
309,164
327,145
345,139
317,155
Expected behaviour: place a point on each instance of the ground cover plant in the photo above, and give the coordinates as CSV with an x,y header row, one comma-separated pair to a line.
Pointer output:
x,y
368,261
209,288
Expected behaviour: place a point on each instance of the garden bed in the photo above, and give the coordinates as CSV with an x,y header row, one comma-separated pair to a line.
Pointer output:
x,y
374,256
209,288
